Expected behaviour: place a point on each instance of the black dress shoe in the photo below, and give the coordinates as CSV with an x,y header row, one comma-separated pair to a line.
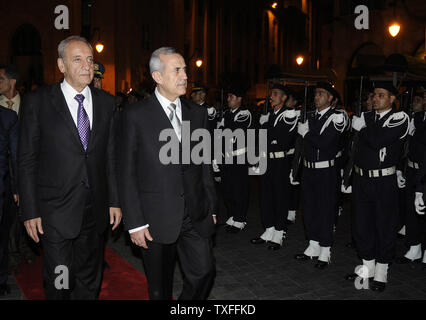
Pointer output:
x,y
257,241
303,257
378,286
404,260
274,246
4,289
232,229
321,265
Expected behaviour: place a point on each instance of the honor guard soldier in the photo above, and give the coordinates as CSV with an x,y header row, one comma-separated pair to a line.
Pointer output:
x,y
98,74
375,191
199,96
235,177
281,126
321,135
415,224
292,102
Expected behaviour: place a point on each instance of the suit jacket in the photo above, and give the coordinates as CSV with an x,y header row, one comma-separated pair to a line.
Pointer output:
x,y
162,194
54,168
8,150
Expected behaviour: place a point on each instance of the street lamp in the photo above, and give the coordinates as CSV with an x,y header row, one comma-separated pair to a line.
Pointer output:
x,y
199,63
99,47
299,60
394,29
274,5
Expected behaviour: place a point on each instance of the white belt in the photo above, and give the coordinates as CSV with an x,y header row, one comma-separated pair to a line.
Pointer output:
x,y
339,154
413,165
375,173
277,155
318,165
239,152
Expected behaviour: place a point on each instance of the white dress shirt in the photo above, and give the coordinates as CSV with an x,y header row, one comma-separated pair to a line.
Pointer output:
x,y
165,103
16,102
69,94
322,112
382,114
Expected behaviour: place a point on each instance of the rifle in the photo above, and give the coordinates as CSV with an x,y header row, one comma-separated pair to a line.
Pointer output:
x,y
353,145
266,104
408,138
298,149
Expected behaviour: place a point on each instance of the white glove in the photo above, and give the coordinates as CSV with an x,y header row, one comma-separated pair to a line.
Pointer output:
x,y
358,123
303,128
215,166
264,118
400,179
293,182
419,203
346,190
411,128
221,123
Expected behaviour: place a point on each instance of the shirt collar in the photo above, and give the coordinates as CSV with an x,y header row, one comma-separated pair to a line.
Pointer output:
x,y
382,114
164,102
234,110
71,92
16,99
322,112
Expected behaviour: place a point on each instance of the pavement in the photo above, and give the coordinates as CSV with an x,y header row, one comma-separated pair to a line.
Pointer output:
x,y
251,272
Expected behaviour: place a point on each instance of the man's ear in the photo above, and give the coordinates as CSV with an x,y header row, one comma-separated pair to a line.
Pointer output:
x,y
392,99
158,78
61,65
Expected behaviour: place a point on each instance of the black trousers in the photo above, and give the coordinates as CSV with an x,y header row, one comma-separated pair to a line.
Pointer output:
x,y
275,194
415,223
235,182
196,259
82,256
5,222
319,202
375,217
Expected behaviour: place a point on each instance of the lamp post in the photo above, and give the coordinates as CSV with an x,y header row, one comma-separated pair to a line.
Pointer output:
x,y
299,60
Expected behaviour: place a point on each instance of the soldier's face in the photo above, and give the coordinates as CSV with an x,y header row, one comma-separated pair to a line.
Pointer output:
x,y
291,102
322,98
382,99
277,98
172,81
369,101
77,65
417,103
233,101
97,83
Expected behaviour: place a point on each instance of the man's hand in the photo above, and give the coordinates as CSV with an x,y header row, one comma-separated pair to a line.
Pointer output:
x,y
419,203
139,238
32,226
346,190
358,122
400,179
303,128
293,182
16,199
115,217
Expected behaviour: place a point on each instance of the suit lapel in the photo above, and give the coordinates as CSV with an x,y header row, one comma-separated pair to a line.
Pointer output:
x,y
97,110
59,103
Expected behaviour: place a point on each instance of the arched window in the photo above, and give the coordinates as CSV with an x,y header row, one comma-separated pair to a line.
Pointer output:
x,y
26,41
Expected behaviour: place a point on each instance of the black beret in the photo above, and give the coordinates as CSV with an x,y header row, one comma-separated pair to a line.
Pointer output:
x,y
281,87
326,86
387,85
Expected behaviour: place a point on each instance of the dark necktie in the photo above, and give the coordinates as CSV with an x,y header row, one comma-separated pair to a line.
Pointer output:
x,y
83,122
174,119
377,118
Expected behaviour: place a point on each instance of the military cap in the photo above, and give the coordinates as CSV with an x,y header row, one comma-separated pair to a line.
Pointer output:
x,y
387,85
99,70
326,86
419,91
281,87
198,87
238,92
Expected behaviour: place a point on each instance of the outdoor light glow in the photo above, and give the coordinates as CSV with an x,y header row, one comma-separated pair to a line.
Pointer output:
x,y
299,60
394,29
199,63
274,5
99,47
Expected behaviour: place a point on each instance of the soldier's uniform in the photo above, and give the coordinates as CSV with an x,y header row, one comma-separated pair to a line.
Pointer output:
x,y
235,176
415,224
275,198
375,190
320,180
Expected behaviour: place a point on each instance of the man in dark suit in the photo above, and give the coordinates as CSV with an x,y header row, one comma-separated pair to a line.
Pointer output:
x,y
8,149
66,170
172,205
